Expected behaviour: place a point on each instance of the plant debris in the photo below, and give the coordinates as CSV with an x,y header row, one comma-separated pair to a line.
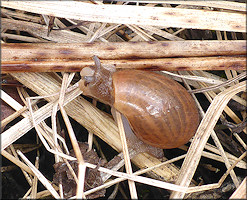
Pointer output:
x,y
92,179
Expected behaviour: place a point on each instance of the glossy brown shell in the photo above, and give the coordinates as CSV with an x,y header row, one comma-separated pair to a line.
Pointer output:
x,y
160,111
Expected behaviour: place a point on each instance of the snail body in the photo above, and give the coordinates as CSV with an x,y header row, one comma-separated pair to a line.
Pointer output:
x,y
160,111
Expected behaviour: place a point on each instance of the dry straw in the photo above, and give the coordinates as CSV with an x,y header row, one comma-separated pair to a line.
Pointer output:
x,y
147,25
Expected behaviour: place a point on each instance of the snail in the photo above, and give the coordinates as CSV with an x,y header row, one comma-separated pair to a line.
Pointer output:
x,y
159,110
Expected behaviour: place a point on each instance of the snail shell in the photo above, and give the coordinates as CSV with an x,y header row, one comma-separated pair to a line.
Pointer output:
x,y
160,111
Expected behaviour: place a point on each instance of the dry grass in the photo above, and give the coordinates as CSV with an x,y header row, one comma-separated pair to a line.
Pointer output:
x,y
114,28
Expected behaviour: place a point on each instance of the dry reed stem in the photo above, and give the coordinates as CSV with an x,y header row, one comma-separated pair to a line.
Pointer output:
x,y
229,81
210,95
162,33
19,129
33,194
27,176
132,187
214,79
40,31
28,192
240,139
140,179
75,145
40,176
8,119
39,129
43,194
140,33
116,167
219,158
205,74
90,134
240,192
223,155
20,15
231,114
231,168
195,78
139,15
217,185
169,64
16,161
227,158
90,141
215,155
45,138
203,132
21,38
10,101
121,50
54,129
15,105
65,83
216,140
215,4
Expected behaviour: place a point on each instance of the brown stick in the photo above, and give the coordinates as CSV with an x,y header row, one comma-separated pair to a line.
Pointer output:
x,y
121,50
168,64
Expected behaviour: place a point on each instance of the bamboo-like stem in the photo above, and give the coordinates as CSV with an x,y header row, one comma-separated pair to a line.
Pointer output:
x,y
215,4
168,55
128,167
121,50
138,15
167,64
